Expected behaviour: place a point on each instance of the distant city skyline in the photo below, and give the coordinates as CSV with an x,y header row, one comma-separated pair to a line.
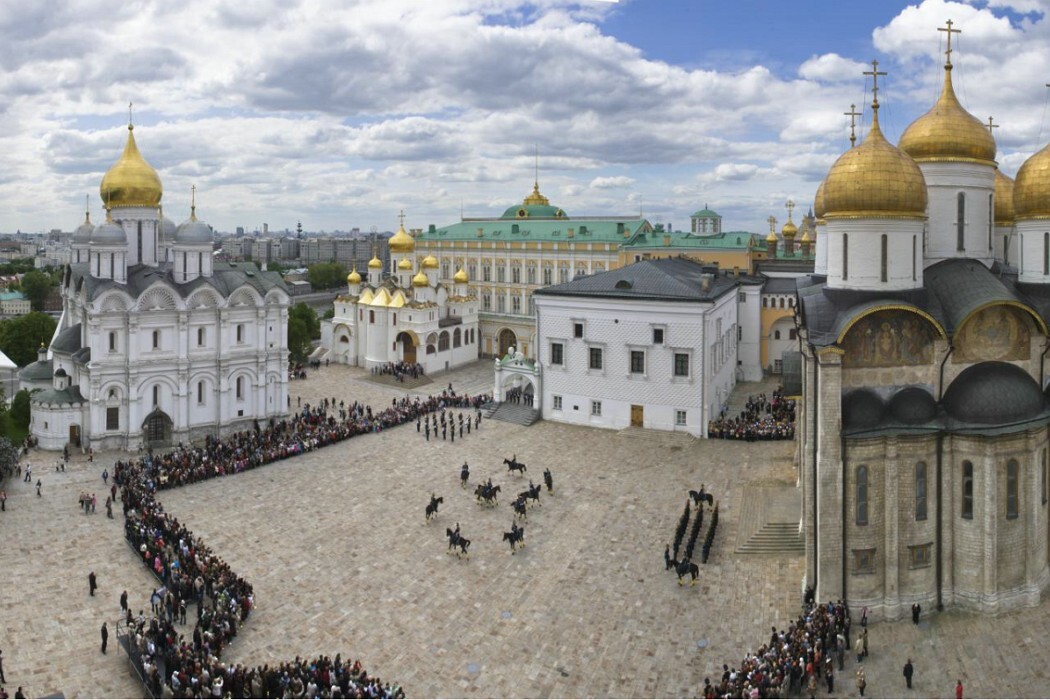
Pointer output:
x,y
340,114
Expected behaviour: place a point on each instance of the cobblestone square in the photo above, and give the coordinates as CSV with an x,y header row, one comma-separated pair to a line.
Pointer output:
x,y
342,561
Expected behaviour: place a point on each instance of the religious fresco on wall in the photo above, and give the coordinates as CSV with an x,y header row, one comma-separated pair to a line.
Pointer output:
x,y
889,338
993,333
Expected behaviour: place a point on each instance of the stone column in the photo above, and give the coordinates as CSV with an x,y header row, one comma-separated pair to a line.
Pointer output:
x,y
830,477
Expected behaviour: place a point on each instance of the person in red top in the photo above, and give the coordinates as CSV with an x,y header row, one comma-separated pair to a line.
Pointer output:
x,y
958,689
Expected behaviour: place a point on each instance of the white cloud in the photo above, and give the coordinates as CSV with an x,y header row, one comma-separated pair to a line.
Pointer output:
x,y
610,183
831,67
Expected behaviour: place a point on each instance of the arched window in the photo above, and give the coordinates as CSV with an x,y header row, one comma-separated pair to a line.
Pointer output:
x,y
776,335
883,263
443,341
765,303
862,495
960,223
845,256
200,392
920,490
967,490
1011,489
782,302
456,338
240,388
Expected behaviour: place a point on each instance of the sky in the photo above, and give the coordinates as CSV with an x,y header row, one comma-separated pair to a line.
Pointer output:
x,y
343,113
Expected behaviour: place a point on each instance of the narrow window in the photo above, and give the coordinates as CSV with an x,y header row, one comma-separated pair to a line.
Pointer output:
x,y
240,330
156,340
776,335
681,364
200,337
882,265
1011,489
156,396
596,408
557,354
960,224
240,387
577,330
845,256
658,336
1044,470
595,358
557,403
637,362
967,490
914,255
991,219
920,491
112,342
113,418
200,392
679,417
862,495
1046,253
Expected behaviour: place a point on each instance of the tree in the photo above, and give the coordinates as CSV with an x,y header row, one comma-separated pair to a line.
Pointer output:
x,y
309,317
275,266
327,275
19,412
21,337
298,339
8,458
36,286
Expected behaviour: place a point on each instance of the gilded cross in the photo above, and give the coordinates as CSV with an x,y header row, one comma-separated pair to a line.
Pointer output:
x,y
949,31
991,126
129,114
772,224
401,218
852,114
874,73
790,207
193,202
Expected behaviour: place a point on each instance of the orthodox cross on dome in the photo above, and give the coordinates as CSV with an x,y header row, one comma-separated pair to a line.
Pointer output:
x,y
875,73
193,202
401,218
948,51
87,206
130,122
790,204
991,126
772,224
852,114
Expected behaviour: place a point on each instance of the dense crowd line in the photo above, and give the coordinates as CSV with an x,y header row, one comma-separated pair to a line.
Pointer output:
x,y
761,419
190,572
809,652
400,370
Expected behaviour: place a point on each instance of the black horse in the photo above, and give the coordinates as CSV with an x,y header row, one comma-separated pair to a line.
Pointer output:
x,y
516,537
456,540
464,475
533,493
701,496
487,494
685,567
514,465
519,507
432,508
548,479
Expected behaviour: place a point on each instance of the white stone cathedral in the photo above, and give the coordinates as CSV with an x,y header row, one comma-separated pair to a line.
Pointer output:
x,y
157,342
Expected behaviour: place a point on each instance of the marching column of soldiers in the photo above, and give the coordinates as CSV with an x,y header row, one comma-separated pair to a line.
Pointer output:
x,y
446,422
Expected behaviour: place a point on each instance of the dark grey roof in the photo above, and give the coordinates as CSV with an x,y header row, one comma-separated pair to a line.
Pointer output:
x,y
37,371
67,341
993,393
665,279
962,286
69,395
913,405
779,285
226,278
83,355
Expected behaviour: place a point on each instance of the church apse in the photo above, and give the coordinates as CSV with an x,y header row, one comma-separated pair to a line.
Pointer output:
x,y
889,338
993,333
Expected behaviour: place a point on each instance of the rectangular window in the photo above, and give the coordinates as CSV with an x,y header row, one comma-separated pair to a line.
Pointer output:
x,y
486,301
516,304
920,491
960,224
472,271
577,330
1011,489
741,297
501,273
156,340
845,256
596,408
563,275
556,402
113,418
681,364
920,556
595,358
240,388
532,275
658,336
679,417
862,495
883,270
637,362
240,332
501,302
863,561
200,392
200,337
967,490
557,354
112,342
548,275
486,273
515,275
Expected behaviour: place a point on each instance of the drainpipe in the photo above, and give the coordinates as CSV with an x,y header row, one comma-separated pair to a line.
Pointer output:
x,y
940,387
816,445
845,549
940,523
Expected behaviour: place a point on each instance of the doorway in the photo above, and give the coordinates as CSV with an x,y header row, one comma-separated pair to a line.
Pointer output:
x,y
408,348
157,429
74,435
507,340
637,416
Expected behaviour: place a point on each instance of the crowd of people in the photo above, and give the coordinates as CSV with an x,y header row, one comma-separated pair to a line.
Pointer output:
x,y
806,654
191,573
400,370
761,419
520,395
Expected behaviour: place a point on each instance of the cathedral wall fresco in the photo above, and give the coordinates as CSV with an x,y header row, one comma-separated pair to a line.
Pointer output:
x,y
993,333
889,338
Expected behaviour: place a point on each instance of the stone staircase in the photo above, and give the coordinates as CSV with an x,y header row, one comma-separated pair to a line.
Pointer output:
x,y
769,519
662,438
513,413
775,538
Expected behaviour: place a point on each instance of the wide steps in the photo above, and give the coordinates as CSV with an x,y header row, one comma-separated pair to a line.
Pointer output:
x,y
515,413
775,538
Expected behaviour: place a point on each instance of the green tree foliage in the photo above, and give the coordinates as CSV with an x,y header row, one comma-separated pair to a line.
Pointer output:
x,y
298,339
275,266
20,337
17,266
327,275
36,286
8,458
19,413
309,317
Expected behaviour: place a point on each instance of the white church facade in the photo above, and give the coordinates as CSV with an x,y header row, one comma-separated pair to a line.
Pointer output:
x,y
157,343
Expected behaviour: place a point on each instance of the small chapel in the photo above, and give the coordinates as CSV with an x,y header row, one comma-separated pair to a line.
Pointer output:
x,y
924,419
404,314
157,342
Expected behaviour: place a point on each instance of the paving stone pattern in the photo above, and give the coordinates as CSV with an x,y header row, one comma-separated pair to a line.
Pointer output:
x,y
336,547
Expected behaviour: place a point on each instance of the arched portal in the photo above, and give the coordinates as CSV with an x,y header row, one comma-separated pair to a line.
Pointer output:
x,y
506,340
408,347
156,429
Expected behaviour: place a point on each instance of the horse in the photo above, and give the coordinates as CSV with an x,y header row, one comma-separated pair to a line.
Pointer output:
x,y
533,493
548,479
487,495
464,474
514,465
519,507
687,567
457,540
432,508
701,496
516,537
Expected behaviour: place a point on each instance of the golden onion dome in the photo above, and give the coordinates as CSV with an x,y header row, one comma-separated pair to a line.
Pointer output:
x,y
948,132
354,277
789,230
405,264
771,238
805,237
818,202
1004,200
460,277
401,242
420,280
874,179
375,263
430,263
1031,198
131,182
